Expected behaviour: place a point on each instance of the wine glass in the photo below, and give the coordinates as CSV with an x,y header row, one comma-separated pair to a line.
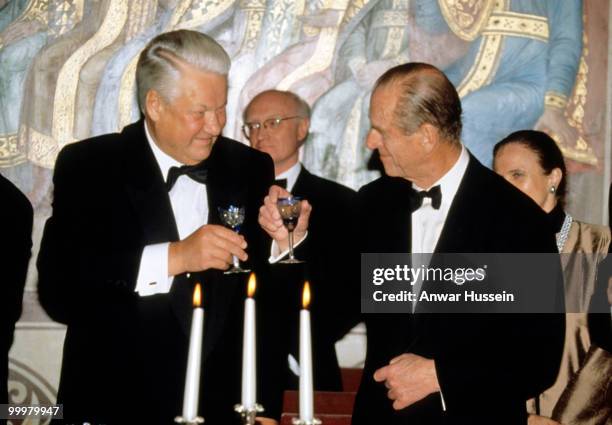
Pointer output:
x,y
233,217
289,209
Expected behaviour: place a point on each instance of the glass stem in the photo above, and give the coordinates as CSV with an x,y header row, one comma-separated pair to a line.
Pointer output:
x,y
291,246
236,261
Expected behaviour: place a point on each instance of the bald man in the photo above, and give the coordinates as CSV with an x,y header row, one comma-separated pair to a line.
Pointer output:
x,y
276,122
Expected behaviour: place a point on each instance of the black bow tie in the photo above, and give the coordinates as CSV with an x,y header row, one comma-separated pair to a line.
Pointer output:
x,y
434,193
198,172
281,182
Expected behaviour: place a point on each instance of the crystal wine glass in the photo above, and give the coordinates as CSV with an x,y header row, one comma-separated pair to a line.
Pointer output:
x,y
289,209
233,217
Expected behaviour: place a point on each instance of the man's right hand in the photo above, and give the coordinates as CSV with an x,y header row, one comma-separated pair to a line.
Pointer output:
x,y
209,247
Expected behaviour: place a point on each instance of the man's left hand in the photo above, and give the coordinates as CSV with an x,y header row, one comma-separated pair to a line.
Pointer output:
x,y
409,378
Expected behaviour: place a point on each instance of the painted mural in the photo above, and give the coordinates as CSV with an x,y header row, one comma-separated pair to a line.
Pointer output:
x,y
67,72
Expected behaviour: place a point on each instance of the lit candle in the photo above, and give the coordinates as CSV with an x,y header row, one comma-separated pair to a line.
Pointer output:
x,y
192,379
306,391
249,369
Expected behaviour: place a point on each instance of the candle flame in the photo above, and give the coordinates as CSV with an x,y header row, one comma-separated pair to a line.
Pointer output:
x,y
306,295
251,285
197,296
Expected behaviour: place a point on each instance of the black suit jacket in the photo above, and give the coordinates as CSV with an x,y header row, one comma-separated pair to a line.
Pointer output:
x,y
332,273
125,355
16,215
487,365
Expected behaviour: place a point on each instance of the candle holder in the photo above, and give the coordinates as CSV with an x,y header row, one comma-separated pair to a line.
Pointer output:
x,y
298,421
181,420
248,415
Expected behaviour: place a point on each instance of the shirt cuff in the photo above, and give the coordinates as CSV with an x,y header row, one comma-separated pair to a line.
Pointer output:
x,y
275,256
153,272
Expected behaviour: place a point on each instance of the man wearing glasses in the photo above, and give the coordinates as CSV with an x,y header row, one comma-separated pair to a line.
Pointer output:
x,y
277,123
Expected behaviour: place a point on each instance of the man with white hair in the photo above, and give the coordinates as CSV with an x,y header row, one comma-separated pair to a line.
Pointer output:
x,y
135,226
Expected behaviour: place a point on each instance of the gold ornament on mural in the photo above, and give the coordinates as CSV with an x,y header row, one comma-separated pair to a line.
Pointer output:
x,y
36,10
466,18
501,23
10,152
581,151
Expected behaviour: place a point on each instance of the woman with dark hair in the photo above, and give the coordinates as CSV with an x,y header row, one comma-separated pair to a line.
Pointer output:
x,y
532,161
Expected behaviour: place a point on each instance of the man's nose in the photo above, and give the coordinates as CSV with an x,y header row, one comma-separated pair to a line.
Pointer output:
x,y
213,123
260,133
372,141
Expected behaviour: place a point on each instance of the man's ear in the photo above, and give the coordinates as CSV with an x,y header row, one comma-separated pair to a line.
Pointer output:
x,y
302,130
154,105
430,136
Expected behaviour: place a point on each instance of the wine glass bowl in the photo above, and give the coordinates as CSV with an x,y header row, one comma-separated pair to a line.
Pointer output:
x,y
289,209
233,217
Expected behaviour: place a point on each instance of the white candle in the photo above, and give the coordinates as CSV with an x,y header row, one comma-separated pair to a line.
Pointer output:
x,y
192,379
249,368
306,390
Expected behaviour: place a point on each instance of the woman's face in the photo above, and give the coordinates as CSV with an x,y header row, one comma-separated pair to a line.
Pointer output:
x,y
519,165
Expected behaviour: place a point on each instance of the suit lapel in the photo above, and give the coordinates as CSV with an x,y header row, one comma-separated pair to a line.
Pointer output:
x,y
145,187
302,183
458,234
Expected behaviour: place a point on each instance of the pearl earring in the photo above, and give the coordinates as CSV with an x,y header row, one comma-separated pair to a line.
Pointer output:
x,y
552,189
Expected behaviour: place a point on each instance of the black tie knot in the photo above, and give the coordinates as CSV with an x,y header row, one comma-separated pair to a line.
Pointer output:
x,y
198,172
435,194
281,182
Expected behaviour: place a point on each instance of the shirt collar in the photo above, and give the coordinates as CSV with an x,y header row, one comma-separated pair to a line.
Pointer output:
x,y
164,160
449,182
291,175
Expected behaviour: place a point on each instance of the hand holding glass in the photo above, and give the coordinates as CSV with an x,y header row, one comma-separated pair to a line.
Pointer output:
x,y
289,209
233,217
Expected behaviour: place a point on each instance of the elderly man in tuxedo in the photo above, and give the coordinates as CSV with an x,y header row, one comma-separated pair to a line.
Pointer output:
x,y
135,225
16,215
446,368
276,122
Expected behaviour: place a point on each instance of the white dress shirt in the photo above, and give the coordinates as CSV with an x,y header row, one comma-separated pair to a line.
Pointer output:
x,y
427,222
291,175
189,202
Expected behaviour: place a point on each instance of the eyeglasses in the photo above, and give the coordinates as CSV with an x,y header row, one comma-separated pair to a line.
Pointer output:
x,y
270,124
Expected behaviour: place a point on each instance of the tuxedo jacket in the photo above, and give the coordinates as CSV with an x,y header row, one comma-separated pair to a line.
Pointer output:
x,y
125,355
487,365
332,272
16,218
